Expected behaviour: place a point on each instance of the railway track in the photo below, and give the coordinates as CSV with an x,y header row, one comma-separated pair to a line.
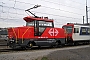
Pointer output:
x,y
3,50
35,53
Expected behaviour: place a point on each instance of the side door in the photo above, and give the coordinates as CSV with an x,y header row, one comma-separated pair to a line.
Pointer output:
x,y
76,33
39,28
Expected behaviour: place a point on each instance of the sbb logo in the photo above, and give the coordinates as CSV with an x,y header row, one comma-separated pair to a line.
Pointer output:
x,y
53,32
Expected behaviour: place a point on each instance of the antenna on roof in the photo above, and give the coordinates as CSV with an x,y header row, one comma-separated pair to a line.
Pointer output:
x,y
36,6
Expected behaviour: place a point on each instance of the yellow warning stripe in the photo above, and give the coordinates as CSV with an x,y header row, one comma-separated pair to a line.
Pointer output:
x,y
15,34
18,33
24,34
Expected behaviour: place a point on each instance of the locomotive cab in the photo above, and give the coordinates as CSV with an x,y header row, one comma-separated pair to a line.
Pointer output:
x,y
39,24
69,31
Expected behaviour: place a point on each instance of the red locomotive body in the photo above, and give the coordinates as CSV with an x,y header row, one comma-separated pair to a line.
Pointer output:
x,y
37,32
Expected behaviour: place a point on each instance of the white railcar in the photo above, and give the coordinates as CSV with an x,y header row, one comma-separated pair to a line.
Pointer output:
x,y
77,33
81,32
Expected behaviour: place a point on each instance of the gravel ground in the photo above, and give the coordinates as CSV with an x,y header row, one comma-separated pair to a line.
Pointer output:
x,y
73,54
67,53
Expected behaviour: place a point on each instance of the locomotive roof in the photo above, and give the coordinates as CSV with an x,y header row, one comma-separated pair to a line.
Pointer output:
x,y
30,18
80,24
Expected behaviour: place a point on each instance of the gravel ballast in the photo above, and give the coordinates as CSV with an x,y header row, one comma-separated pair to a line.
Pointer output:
x,y
66,53
73,54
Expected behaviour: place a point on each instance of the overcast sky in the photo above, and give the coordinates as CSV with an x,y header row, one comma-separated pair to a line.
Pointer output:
x,y
62,11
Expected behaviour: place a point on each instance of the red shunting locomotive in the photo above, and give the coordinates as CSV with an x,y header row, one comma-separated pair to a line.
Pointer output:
x,y
38,31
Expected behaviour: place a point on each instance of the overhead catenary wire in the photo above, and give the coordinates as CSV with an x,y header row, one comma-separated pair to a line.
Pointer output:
x,y
14,3
14,6
56,15
58,4
62,10
37,12
77,2
9,19
62,4
51,7
45,7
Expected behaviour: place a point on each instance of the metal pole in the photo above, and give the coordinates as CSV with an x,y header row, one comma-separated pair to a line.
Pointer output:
x,y
86,13
83,19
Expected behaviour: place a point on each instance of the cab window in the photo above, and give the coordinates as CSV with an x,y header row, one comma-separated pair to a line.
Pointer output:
x,y
76,30
88,31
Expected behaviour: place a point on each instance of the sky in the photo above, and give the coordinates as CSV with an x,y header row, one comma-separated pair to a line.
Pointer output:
x,y
12,12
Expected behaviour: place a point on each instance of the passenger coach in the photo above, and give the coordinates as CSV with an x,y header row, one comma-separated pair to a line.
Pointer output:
x,y
77,33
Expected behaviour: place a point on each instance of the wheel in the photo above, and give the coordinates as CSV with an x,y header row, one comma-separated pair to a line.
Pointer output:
x,y
23,48
39,46
58,44
30,45
76,43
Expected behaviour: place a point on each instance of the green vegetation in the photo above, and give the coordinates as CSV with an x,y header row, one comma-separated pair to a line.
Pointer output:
x,y
44,58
